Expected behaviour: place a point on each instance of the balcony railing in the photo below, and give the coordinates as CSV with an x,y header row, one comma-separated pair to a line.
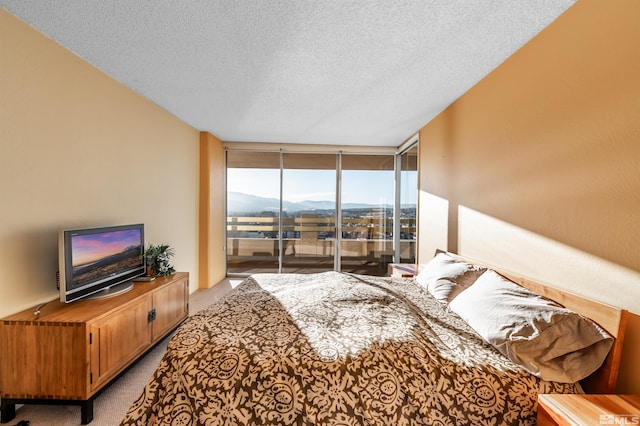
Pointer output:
x,y
308,243
373,227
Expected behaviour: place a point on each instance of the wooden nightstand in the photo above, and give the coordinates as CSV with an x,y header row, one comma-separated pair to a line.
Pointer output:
x,y
401,270
569,409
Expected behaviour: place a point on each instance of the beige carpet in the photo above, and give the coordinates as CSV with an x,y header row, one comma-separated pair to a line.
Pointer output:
x,y
111,405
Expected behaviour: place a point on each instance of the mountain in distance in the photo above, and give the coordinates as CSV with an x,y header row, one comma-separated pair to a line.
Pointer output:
x,y
238,202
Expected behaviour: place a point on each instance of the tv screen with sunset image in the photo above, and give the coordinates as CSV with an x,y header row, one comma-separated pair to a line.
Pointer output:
x,y
102,255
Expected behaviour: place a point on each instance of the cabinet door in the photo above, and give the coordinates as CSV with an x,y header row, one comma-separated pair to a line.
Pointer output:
x,y
118,339
44,360
170,305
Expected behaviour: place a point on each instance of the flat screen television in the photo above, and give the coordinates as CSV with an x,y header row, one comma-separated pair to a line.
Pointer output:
x,y
99,262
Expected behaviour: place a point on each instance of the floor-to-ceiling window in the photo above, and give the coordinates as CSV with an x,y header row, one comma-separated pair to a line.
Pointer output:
x,y
311,212
308,212
367,206
253,211
407,205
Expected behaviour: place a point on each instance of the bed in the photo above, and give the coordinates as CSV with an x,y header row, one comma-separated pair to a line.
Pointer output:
x,y
344,349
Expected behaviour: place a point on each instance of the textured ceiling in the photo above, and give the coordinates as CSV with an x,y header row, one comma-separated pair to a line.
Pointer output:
x,y
355,72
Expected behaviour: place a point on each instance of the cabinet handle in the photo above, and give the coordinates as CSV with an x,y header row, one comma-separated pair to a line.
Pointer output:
x,y
151,315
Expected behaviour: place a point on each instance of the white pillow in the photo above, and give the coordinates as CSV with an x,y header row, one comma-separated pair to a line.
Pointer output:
x,y
545,338
445,277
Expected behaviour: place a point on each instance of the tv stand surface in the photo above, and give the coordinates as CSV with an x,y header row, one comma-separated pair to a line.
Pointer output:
x,y
70,352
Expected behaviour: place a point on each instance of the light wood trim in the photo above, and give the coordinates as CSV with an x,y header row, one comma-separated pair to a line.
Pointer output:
x,y
212,212
568,409
204,211
611,318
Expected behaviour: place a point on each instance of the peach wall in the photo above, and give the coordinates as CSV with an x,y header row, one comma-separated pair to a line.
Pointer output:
x,y
79,149
537,168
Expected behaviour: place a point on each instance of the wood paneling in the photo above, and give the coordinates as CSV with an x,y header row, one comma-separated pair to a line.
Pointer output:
x,y
212,258
564,410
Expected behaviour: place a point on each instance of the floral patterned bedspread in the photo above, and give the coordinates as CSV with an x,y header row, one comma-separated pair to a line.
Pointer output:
x,y
334,349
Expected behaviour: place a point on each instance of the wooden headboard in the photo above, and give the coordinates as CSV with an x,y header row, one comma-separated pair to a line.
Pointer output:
x,y
611,318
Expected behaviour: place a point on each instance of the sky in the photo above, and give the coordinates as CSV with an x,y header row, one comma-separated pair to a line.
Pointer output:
x,y
358,186
91,247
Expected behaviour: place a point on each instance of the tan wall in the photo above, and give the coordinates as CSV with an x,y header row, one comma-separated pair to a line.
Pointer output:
x,y
79,149
537,168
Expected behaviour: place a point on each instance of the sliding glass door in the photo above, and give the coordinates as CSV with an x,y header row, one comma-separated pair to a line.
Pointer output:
x,y
367,207
253,212
302,212
408,194
308,212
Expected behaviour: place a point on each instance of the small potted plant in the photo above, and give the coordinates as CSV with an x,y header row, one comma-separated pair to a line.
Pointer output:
x,y
158,260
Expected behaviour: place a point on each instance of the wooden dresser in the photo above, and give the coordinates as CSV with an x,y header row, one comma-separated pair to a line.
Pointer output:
x,y
588,409
69,352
